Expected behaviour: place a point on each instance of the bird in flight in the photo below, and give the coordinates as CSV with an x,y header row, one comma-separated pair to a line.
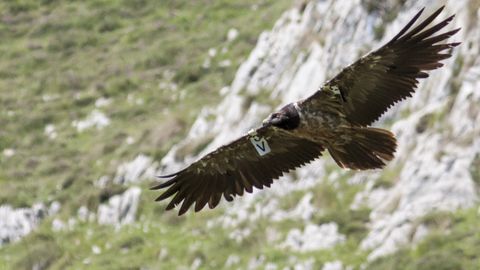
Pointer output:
x,y
336,118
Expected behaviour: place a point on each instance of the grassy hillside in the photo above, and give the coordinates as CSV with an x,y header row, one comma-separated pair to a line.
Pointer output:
x,y
149,67
452,244
145,59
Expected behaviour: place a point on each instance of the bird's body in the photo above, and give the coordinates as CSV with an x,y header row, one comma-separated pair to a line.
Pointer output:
x,y
322,125
321,121
336,118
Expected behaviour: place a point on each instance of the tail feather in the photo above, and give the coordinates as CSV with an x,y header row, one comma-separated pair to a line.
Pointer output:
x,y
369,148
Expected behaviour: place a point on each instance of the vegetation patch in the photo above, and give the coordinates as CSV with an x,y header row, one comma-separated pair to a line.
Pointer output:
x,y
475,169
456,248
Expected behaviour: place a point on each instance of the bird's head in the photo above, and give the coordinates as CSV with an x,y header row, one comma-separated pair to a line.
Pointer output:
x,y
286,118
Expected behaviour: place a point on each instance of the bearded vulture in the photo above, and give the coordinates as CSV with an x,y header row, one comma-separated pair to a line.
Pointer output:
x,y
337,118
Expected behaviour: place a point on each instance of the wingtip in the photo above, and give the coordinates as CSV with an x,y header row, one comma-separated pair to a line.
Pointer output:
x,y
455,44
172,174
449,19
450,33
440,9
170,206
456,30
166,176
419,13
158,186
197,207
406,27
163,196
163,185
183,210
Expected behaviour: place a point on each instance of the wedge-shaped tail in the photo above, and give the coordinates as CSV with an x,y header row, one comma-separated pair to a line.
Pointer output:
x,y
369,148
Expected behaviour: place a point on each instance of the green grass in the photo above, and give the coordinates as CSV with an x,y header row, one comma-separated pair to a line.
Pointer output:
x,y
185,239
58,58
73,53
179,241
452,249
475,169
62,56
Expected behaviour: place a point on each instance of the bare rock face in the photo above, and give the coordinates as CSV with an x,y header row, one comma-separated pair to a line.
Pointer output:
x,y
313,237
142,167
438,132
121,209
438,129
438,145
16,223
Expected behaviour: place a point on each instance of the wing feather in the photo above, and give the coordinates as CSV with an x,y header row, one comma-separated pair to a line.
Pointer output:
x,y
377,81
204,196
236,168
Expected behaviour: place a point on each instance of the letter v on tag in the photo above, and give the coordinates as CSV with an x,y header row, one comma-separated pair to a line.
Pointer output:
x,y
261,145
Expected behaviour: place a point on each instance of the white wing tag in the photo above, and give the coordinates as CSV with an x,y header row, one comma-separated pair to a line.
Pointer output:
x,y
261,145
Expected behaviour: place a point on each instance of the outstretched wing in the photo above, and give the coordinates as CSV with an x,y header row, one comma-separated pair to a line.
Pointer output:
x,y
253,160
378,80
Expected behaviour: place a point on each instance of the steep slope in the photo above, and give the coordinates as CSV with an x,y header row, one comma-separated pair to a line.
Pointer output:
x,y
438,129
423,206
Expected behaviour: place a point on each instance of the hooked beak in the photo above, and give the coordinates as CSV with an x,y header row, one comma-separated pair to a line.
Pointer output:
x,y
266,123
271,121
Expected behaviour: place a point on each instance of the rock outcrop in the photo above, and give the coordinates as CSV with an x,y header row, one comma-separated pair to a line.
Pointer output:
x,y
15,223
438,129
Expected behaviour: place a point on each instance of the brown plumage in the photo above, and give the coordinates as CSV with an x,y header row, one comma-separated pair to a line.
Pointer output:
x,y
335,118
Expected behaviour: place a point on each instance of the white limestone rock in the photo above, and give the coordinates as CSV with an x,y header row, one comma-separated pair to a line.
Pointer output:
x,y
102,102
335,265
95,119
8,152
120,209
313,237
232,34
435,163
308,264
58,225
16,223
50,131
83,213
142,167
307,47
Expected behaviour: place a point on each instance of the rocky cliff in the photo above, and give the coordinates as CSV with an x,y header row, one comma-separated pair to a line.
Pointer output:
x,y
438,129
320,215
